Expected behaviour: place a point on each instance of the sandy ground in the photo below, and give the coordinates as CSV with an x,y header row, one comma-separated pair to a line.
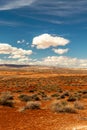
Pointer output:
x,y
43,119
10,119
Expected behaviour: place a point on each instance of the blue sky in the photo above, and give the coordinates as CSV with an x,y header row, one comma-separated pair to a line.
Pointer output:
x,y
45,32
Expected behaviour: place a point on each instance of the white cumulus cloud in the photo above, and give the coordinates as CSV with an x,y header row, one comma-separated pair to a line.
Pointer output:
x,y
62,61
46,40
14,52
61,51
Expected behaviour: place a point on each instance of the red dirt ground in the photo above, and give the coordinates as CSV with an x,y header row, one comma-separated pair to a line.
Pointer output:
x,y
43,119
11,119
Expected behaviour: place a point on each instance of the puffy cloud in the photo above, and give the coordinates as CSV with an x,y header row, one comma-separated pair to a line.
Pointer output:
x,y
20,61
58,61
13,51
61,51
46,40
5,48
63,61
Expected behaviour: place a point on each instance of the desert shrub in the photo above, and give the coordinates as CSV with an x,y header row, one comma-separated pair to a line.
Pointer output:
x,y
32,91
35,97
84,96
79,91
58,98
66,93
6,95
55,95
42,94
64,103
78,105
69,109
6,99
60,90
46,97
72,98
78,95
25,98
17,91
62,96
62,107
56,107
6,103
84,92
32,105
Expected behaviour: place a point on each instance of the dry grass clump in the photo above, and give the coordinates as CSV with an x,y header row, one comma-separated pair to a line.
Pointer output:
x,y
78,105
6,99
43,95
25,98
84,91
66,93
84,96
35,97
72,98
60,90
32,105
63,95
55,95
32,90
62,107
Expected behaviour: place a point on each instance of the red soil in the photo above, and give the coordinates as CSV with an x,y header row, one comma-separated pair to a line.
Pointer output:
x,y
44,119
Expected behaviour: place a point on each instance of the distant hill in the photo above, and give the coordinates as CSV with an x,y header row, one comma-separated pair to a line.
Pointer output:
x,y
42,68
13,65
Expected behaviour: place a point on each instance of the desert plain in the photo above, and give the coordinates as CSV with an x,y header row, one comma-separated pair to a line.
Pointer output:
x,y
43,98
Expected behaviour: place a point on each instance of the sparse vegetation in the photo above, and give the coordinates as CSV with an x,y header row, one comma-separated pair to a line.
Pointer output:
x,y
72,98
6,99
33,105
55,95
25,98
62,107
35,97
78,105
51,97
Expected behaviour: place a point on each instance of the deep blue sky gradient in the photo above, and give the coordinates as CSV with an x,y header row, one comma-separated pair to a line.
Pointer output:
x,y
64,18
